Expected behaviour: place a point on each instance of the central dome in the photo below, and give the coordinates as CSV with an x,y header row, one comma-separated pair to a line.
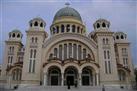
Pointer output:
x,y
67,11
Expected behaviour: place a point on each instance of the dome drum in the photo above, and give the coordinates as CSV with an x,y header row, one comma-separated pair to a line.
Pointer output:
x,y
67,28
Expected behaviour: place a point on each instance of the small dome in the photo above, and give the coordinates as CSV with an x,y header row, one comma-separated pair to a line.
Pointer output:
x,y
16,31
67,11
37,19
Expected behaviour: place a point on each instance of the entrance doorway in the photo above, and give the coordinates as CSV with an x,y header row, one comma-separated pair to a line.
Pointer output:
x,y
71,75
87,78
54,77
70,80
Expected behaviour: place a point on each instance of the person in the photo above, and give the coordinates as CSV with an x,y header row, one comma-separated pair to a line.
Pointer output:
x,y
68,84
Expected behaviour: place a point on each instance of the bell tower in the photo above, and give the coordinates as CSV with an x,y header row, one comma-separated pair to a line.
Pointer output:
x,y
106,52
33,51
12,46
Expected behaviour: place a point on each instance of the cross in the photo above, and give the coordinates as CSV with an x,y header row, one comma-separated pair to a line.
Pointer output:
x,y
67,4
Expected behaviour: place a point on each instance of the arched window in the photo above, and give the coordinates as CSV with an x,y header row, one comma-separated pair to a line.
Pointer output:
x,y
30,63
32,39
106,40
103,41
79,52
12,49
68,28
33,69
74,51
62,28
60,52
108,54
36,39
117,37
98,25
78,29
13,35
57,28
55,52
31,24
104,54
65,51
35,53
103,24
84,53
54,30
36,23
70,50
122,37
9,59
18,35
73,28
31,53
41,24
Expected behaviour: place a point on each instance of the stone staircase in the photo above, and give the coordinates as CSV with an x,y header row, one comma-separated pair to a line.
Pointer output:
x,y
64,88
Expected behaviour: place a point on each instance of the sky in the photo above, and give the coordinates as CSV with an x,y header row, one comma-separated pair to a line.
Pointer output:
x,y
122,14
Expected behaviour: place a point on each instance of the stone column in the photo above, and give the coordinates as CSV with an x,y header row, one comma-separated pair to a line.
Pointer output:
x,y
62,79
45,79
97,79
80,79
9,80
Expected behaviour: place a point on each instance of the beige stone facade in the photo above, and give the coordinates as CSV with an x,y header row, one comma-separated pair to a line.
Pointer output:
x,y
68,55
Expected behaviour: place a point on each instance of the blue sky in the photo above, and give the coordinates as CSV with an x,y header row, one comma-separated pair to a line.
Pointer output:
x,y
122,15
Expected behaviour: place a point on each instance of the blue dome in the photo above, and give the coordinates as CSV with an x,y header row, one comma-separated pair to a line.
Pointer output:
x,y
67,11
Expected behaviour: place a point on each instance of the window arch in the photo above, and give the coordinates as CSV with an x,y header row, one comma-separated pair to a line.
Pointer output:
x,y
79,52
55,52
32,39
13,35
31,53
104,54
117,37
41,24
122,37
106,40
103,40
35,53
65,51
84,53
60,52
98,25
68,27
57,28
36,23
18,35
103,24
62,28
74,51
36,39
31,24
70,50
54,30
73,28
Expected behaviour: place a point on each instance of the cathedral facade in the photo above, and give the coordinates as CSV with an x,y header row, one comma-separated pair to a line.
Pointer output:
x,y
68,54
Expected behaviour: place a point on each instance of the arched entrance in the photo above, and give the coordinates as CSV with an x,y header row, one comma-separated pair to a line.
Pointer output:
x,y
87,76
71,75
54,76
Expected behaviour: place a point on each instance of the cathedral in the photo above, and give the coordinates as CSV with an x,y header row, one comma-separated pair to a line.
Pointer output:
x,y
68,54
